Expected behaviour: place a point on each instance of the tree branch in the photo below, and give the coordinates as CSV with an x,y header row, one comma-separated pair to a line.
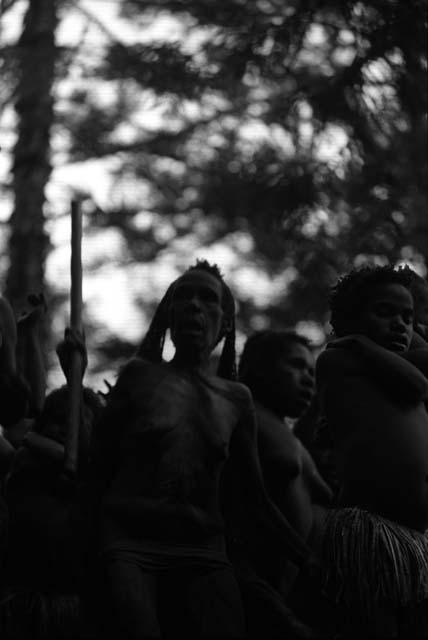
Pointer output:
x,y
99,23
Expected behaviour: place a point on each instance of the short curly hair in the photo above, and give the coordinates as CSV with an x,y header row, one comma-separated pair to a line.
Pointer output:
x,y
352,292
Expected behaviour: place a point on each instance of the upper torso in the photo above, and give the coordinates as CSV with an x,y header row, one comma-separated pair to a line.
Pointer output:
x,y
381,447
172,447
289,472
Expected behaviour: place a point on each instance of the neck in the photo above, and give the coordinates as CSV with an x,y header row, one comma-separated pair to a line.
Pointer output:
x,y
188,360
268,409
264,399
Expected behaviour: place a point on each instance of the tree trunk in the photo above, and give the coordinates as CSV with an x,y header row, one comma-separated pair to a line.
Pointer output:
x,y
28,242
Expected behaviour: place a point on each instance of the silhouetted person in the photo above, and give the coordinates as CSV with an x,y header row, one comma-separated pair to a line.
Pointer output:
x,y
47,552
278,367
374,545
158,456
14,404
14,391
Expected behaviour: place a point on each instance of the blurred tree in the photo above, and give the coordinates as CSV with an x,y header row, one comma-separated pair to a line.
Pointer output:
x,y
34,57
303,122
300,125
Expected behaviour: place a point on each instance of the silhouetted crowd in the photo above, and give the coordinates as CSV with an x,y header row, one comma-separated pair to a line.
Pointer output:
x,y
286,497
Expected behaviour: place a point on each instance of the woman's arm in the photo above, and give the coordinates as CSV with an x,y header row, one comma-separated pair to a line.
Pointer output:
x,y
419,358
358,355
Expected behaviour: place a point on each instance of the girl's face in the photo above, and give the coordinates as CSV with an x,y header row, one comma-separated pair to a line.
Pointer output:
x,y
387,318
293,384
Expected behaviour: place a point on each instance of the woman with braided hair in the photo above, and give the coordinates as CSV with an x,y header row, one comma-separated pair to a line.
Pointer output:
x,y
158,457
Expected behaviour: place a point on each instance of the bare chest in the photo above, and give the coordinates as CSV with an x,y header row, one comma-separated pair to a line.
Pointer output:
x,y
181,417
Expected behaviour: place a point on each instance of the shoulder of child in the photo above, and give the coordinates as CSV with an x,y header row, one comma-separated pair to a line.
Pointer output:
x,y
419,358
335,361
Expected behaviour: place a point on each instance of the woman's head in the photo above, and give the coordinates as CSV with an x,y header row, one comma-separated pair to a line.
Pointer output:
x,y
199,310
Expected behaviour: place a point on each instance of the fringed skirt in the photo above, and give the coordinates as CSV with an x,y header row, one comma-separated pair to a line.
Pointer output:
x,y
33,615
377,571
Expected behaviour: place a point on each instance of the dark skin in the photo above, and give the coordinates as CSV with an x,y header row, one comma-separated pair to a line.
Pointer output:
x,y
159,476
373,396
44,507
45,504
420,315
48,441
289,473
29,350
14,391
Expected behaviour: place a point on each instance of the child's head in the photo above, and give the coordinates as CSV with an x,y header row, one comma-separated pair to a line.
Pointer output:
x,y
375,302
53,420
278,367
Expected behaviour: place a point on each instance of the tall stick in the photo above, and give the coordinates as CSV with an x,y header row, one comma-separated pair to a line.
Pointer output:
x,y
75,379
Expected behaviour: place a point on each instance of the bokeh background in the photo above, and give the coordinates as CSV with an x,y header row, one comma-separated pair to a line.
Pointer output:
x,y
283,139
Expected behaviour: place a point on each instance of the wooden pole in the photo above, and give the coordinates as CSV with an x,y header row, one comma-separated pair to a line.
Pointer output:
x,y
75,379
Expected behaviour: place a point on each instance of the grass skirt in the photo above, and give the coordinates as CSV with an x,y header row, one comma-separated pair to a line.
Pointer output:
x,y
33,615
372,565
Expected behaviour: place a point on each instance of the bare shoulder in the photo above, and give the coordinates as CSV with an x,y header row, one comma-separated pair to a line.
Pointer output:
x,y
276,440
266,417
419,358
240,397
132,376
235,390
269,427
242,392
138,370
335,362
135,366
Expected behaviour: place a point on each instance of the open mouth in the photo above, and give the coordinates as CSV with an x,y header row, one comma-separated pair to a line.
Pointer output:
x,y
192,330
192,327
